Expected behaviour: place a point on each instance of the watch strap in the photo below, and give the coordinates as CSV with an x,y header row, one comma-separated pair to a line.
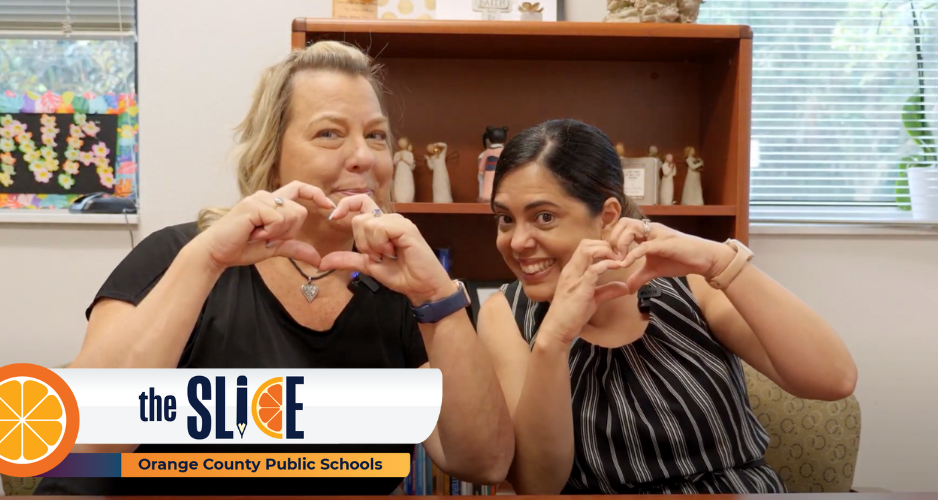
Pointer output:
x,y
432,312
742,257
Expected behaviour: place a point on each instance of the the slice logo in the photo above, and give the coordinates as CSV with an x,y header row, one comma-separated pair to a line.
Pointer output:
x,y
38,420
273,408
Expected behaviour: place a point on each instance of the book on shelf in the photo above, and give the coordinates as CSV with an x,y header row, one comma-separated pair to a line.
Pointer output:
x,y
426,478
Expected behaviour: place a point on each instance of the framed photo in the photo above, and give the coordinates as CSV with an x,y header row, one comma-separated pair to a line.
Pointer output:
x,y
474,10
355,9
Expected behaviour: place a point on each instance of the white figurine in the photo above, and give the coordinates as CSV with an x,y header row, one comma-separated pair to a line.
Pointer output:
x,y
404,172
437,164
693,191
668,171
653,153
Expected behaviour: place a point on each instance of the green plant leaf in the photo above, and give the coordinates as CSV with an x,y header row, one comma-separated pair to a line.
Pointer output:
x,y
913,119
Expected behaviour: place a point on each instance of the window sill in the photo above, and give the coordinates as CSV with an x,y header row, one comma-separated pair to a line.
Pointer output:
x,y
43,216
843,229
837,221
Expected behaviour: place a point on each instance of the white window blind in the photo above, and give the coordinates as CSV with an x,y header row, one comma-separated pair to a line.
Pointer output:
x,y
830,81
26,18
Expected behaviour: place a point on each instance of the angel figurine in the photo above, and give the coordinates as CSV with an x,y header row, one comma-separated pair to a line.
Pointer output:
x,y
668,171
494,141
693,191
404,172
436,162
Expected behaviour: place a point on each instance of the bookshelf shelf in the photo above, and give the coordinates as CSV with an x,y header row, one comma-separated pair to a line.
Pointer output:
x,y
689,211
484,209
443,208
671,85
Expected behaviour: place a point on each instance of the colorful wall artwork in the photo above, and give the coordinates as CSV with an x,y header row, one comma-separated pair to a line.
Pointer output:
x,y
55,148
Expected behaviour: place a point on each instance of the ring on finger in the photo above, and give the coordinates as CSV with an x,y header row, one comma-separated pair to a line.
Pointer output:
x,y
279,201
377,212
646,226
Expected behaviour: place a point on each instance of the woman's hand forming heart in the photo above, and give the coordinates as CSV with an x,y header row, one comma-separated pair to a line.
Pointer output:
x,y
667,252
578,293
261,226
391,250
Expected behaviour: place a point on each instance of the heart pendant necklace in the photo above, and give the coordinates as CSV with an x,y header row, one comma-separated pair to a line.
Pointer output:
x,y
309,289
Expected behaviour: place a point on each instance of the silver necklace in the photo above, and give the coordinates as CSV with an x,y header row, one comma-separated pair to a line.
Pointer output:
x,y
309,289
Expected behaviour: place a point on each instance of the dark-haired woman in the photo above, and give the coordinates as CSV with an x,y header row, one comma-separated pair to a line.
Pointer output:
x,y
610,397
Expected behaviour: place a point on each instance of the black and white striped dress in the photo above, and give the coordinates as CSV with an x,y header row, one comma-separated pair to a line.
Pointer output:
x,y
668,413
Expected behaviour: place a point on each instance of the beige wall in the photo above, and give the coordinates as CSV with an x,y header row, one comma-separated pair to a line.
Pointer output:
x,y
196,73
879,293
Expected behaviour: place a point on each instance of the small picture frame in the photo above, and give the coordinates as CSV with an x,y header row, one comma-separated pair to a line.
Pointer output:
x,y
471,10
641,180
355,9
491,9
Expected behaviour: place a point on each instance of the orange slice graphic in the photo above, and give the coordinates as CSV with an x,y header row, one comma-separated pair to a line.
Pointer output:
x,y
32,417
34,406
267,408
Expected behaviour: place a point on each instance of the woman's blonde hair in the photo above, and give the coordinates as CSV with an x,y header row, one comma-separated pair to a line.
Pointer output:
x,y
260,134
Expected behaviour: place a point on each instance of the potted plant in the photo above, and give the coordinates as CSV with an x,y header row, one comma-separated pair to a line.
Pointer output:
x,y
917,183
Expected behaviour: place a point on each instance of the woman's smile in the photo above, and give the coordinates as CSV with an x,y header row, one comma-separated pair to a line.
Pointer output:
x,y
536,269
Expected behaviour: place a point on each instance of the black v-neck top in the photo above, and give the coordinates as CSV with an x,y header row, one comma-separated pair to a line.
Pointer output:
x,y
243,325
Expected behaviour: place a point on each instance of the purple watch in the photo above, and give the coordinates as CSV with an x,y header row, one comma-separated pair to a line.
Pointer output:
x,y
432,312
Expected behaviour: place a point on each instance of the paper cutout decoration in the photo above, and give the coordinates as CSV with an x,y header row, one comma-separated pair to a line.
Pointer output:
x,y
57,153
55,148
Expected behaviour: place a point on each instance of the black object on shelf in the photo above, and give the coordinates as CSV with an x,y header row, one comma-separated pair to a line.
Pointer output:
x,y
102,203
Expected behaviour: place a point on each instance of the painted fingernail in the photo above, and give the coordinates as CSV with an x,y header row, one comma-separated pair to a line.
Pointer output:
x,y
271,244
331,214
393,257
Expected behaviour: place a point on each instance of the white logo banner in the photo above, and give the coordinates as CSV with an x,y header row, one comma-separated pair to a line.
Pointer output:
x,y
330,406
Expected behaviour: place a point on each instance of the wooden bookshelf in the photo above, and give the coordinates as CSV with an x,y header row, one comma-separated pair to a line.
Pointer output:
x,y
672,85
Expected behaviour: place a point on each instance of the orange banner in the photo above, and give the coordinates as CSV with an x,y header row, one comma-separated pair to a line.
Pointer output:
x,y
264,465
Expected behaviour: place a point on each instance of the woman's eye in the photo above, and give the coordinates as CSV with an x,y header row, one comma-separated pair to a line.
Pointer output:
x,y
328,134
380,136
503,219
545,217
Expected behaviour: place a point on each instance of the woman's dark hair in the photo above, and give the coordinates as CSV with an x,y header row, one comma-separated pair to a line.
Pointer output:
x,y
581,157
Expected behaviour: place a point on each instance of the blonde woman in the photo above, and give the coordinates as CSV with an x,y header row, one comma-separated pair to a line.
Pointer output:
x,y
270,283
